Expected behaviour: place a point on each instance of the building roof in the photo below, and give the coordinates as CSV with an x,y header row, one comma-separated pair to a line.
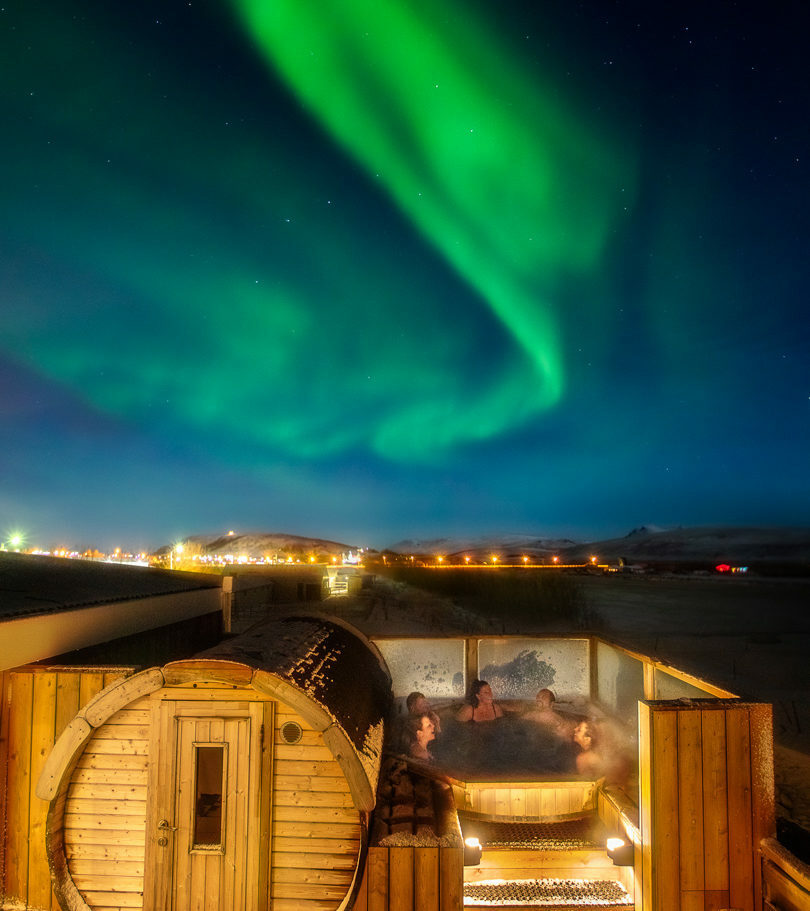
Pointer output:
x,y
334,664
42,585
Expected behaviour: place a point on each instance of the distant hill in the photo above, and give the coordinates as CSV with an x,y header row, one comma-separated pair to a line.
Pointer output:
x,y
648,544
259,545
713,544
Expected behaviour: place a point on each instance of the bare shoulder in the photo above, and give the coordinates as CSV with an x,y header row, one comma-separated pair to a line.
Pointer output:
x,y
465,713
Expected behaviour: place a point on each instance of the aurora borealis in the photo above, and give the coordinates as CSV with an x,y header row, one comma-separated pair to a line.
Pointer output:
x,y
373,270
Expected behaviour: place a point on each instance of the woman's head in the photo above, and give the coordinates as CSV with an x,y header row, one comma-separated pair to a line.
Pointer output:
x,y
420,729
480,692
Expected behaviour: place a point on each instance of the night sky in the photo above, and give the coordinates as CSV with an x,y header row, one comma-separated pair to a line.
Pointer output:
x,y
368,270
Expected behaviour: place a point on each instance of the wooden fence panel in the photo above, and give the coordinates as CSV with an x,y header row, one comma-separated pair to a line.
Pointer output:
x,y
412,879
706,776
426,879
38,702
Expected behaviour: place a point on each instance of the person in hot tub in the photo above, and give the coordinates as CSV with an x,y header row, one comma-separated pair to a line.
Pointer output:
x,y
481,704
420,732
545,714
418,704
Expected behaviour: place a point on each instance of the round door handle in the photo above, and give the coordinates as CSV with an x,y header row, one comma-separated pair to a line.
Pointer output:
x,y
163,841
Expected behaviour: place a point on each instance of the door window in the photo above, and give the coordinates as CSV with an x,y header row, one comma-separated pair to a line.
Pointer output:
x,y
209,786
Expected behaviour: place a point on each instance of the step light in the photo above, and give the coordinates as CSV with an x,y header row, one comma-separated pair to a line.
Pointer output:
x,y
620,852
472,852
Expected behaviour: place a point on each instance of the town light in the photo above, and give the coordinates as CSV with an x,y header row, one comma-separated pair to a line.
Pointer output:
x,y
555,559
593,559
525,559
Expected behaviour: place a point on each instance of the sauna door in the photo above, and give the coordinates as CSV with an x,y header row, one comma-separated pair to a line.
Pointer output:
x,y
207,832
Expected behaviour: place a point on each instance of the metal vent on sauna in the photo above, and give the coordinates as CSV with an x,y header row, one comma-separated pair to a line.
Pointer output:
x,y
291,732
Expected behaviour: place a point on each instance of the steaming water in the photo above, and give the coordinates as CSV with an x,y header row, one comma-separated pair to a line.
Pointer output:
x,y
510,747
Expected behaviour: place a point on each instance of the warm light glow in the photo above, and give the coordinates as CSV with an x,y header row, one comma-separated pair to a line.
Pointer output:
x,y
230,532
593,559
615,843
472,842
312,559
179,548
15,540
466,559
525,559
555,559
494,558
440,559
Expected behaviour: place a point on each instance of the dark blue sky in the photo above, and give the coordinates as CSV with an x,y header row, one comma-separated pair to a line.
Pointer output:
x,y
374,271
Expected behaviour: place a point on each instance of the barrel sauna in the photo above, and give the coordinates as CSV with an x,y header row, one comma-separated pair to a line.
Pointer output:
x,y
237,780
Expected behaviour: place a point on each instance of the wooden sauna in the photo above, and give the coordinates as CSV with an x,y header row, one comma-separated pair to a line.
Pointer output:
x,y
244,775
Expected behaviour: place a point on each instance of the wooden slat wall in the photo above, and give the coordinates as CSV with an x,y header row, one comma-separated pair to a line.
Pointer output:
x,y
551,800
316,828
412,879
37,704
315,841
105,812
706,803
5,714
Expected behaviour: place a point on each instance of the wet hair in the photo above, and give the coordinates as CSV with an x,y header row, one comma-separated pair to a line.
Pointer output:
x,y
475,688
413,698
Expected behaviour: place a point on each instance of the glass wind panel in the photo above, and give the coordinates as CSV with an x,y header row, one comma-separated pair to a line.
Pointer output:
x,y
209,765
620,681
669,687
518,668
434,667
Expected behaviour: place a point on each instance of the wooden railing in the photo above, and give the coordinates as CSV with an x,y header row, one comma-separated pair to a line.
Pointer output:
x,y
785,879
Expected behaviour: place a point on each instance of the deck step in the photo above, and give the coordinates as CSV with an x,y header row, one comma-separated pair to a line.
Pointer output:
x,y
576,834
547,894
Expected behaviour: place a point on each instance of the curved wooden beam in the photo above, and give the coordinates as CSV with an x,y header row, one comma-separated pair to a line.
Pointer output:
x,y
209,670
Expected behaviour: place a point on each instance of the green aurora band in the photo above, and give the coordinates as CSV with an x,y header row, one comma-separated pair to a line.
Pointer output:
x,y
513,191
177,295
